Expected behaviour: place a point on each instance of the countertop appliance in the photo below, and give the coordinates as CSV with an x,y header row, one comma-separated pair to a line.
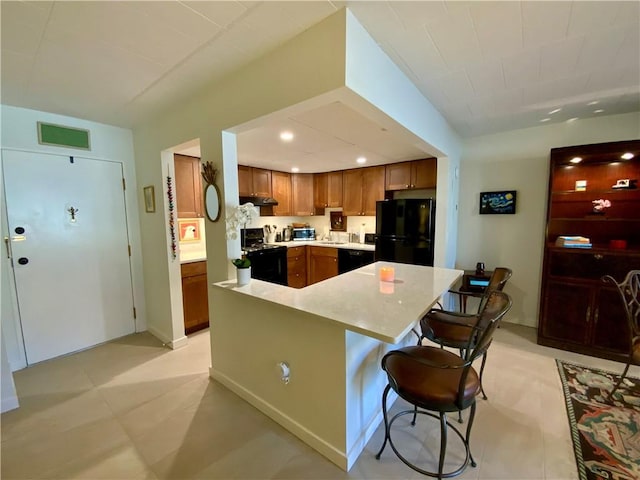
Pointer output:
x,y
350,259
268,262
405,231
303,234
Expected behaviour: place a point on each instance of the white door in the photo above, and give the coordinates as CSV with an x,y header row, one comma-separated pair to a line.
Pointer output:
x,y
69,240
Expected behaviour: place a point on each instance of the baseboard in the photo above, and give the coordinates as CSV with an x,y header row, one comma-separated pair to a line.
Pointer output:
x,y
9,403
326,449
179,343
172,344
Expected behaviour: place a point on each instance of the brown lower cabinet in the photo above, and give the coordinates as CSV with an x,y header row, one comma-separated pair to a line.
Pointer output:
x,y
195,300
297,267
323,264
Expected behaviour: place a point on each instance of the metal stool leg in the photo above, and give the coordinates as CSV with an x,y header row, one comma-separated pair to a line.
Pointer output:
x,y
443,442
472,415
386,420
484,361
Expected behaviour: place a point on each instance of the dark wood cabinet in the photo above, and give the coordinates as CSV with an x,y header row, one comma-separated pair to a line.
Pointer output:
x,y
302,194
281,189
327,191
323,264
189,198
297,267
362,188
411,175
578,312
254,182
195,300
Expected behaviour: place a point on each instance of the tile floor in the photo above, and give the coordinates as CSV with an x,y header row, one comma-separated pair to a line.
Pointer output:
x,y
133,409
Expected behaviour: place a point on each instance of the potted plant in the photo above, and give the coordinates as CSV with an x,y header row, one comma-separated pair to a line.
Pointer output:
x,y
243,269
238,218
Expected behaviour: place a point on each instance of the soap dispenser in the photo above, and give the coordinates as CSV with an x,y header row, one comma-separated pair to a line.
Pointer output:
x,y
361,239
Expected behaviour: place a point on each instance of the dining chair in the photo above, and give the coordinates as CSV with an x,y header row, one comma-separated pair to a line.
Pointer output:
x,y
629,292
436,381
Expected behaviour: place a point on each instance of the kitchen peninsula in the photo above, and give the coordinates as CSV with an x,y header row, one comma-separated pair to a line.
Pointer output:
x,y
330,337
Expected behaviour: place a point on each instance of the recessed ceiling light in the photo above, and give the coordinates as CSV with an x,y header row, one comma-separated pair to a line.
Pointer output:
x,y
576,160
361,160
627,156
572,119
595,102
295,169
286,136
598,111
545,119
554,111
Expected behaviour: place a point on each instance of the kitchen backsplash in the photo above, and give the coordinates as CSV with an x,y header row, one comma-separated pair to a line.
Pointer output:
x,y
320,223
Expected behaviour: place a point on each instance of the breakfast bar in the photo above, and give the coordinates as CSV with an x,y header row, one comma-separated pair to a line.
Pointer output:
x,y
310,358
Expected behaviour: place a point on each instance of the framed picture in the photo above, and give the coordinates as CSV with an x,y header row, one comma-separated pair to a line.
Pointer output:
x,y
189,230
338,222
503,202
149,199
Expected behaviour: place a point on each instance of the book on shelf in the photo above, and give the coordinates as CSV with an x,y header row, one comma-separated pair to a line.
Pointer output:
x,y
573,241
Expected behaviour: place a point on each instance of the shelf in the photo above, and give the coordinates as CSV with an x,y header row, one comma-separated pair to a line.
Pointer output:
x,y
594,218
597,248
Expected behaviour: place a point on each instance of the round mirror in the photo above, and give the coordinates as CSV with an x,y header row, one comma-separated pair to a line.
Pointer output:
x,y
212,202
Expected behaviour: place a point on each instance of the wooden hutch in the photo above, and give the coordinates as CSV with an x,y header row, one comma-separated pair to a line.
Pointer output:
x,y
578,312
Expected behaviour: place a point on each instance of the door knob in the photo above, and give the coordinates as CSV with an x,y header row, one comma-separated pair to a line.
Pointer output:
x,y
19,230
23,260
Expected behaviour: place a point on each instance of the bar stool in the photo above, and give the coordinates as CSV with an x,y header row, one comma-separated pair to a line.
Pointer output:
x,y
436,380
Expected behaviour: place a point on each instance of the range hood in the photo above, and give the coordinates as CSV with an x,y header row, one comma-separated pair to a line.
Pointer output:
x,y
259,201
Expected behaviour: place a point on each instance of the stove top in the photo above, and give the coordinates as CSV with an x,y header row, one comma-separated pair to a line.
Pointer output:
x,y
259,247
252,240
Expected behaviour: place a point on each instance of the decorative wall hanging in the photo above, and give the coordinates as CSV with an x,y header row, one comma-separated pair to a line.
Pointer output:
x,y
503,202
211,192
149,199
189,230
172,226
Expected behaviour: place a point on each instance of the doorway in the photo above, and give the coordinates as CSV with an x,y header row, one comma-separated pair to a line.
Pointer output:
x,y
70,251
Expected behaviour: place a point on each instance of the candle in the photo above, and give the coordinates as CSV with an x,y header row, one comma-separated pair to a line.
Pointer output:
x,y
387,274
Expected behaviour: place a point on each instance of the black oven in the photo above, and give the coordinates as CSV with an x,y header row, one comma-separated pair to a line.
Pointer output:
x,y
268,262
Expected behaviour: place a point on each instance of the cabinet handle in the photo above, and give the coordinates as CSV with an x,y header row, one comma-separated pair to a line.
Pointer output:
x,y
406,186
597,256
588,313
595,317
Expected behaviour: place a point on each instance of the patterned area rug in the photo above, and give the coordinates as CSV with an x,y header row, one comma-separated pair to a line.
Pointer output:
x,y
606,433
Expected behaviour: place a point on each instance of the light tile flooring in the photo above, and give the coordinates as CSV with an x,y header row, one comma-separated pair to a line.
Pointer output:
x,y
133,409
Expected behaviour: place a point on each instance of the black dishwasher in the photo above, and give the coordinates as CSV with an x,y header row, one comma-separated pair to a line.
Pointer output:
x,y
350,259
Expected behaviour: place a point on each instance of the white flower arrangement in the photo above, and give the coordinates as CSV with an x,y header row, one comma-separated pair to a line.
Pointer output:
x,y
240,216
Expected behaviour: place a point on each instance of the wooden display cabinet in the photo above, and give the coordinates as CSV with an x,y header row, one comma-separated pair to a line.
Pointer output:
x,y
189,198
578,312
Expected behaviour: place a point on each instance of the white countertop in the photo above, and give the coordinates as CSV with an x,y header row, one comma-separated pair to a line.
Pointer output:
x,y
359,301
193,257
323,243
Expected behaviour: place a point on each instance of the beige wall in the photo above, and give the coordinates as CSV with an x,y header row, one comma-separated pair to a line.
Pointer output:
x,y
519,160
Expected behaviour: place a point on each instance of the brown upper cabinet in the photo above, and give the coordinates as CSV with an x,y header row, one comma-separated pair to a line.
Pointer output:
x,y
254,182
302,194
362,188
188,186
411,175
281,187
327,190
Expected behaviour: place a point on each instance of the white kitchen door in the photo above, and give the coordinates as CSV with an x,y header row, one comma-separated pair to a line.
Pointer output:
x,y
69,242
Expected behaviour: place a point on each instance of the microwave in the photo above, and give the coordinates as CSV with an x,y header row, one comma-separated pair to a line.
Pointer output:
x,y
303,234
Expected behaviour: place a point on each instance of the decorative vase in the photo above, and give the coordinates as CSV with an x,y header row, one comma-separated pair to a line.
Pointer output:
x,y
243,275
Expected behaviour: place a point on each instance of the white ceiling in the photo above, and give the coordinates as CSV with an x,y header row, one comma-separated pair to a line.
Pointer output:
x,y
486,66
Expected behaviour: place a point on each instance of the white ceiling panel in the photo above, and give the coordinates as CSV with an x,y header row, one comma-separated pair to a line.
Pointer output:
x,y
487,66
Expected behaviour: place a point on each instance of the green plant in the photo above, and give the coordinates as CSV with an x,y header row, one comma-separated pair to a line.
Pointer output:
x,y
243,262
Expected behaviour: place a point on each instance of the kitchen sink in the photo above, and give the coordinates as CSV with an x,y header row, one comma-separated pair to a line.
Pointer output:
x,y
327,242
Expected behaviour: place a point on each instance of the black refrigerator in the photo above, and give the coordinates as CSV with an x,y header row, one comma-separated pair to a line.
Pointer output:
x,y
405,230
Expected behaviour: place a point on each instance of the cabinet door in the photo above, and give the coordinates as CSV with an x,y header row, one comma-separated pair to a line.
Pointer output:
x,y
245,181
423,173
297,267
323,264
195,302
261,182
352,192
398,176
302,193
610,328
334,189
320,184
372,189
188,186
281,187
567,311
